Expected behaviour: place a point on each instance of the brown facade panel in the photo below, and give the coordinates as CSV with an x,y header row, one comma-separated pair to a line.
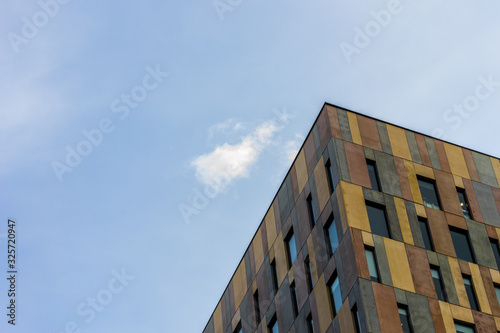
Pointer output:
x,y
437,318
471,197
323,123
443,159
448,192
439,229
422,148
369,133
403,178
471,166
484,323
357,164
420,271
387,309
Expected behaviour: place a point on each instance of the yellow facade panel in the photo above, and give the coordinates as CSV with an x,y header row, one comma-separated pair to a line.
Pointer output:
x,y
462,314
477,282
459,182
412,179
399,144
353,124
239,284
456,160
423,170
354,203
301,170
321,184
399,265
420,210
367,238
258,250
323,305
403,220
458,281
496,167
449,323
270,227
218,319
281,259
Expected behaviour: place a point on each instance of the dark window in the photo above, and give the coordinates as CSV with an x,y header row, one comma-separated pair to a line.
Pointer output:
x,y
426,235
462,244
238,328
464,328
372,172
310,324
329,172
497,292
273,326
438,283
496,252
295,304
378,219
307,264
372,264
404,317
464,203
470,292
355,318
291,249
256,305
310,210
335,296
274,276
332,240
429,193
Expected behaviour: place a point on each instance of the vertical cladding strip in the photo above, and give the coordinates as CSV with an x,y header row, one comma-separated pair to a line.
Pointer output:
x,y
323,304
456,160
420,271
449,323
399,144
345,318
218,319
440,231
412,144
310,153
312,259
404,223
485,169
258,249
239,284
341,204
356,162
448,193
443,159
412,179
281,259
369,132
344,125
358,241
323,129
495,163
431,149
480,243
479,288
389,178
384,137
353,125
471,166
463,300
399,265
422,148
403,179
295,184
421,317
487,204
387,308
490,290
496,195
437,318
334,122
348,262
354,203
382,261
301,170
270,227
473,203
321,184
341,160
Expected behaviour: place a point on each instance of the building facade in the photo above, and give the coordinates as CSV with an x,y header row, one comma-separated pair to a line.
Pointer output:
x,y
375,229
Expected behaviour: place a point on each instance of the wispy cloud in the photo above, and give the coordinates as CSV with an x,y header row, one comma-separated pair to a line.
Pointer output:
x,y
234,161
292,148
229,126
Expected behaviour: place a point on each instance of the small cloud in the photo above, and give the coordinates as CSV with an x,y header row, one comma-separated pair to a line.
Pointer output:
x,y
234,161
228,126
292,148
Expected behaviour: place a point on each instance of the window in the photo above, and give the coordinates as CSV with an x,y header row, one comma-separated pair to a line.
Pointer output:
x,y
329,172
438,283
464,203
310,324
238,328
470,292
310,210
372,172
256,305
335,296
273,326
404,318
295,304
428,191
332,241
274,276
462,244
308,271
357,321
496,252
462,328
372,264
426,235
291,249
497,292
378,219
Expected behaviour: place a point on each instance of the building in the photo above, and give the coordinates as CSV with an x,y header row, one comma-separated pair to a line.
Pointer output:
x,y
375,228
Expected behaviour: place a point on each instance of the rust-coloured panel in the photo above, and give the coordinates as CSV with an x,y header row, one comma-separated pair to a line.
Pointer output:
x,y
448,192
310,153
437,319
369,132
422,148
439,230
357,164
403,178
334,121
492,233
295,184
482,298
464,266
443,159
456,221
473,204
471,166
420,271
490,290
359,253
322,188
345,318
323,129
387,308
484,323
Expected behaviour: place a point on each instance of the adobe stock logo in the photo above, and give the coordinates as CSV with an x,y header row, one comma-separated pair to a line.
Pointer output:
x,y
29,30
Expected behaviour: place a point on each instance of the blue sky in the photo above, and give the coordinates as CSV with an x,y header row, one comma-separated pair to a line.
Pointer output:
x,y
108,225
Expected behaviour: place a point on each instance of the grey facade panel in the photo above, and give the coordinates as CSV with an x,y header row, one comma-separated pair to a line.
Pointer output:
x,y
487,204
449,285
382,261
484,169
368,310
412,143
481,244
384,137
389,179
420,313
344,125
431,149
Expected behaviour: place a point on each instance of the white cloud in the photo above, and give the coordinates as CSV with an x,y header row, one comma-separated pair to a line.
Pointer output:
x,y
292,148
229,125
234,161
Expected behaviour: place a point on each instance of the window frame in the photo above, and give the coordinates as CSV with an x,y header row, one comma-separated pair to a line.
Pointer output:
x,y
440,283
372,166
272,323
290,240
423,223
309,277
274,276
496,251
468,243
331,223
406,314
369,249
293,298
310,210
465,205
471,293
435,190
334,281
373,223
329,176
